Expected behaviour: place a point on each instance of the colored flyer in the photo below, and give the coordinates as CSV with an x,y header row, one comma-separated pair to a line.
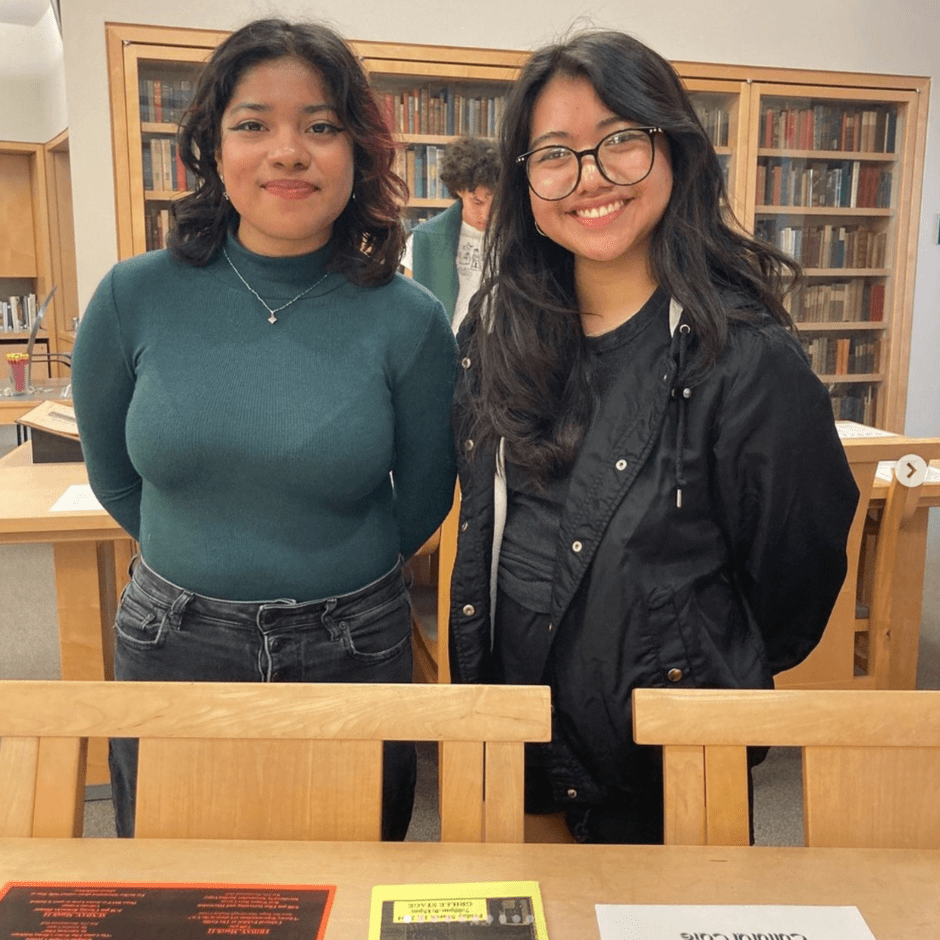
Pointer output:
x,y
126,911
504,910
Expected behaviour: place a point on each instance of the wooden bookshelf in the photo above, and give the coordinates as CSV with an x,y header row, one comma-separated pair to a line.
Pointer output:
x,y
861,309
25,252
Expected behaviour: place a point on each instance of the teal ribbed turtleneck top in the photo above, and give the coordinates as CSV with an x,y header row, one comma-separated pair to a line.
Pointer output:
x,y
255,461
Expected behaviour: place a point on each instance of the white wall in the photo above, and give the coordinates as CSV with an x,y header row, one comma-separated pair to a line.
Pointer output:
x,y
846,35
32,109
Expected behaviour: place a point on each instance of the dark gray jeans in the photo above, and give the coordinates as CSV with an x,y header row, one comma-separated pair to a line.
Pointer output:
x,y
166,633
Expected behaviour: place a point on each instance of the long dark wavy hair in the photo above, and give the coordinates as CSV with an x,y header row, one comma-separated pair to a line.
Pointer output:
x,y
527,343
368,237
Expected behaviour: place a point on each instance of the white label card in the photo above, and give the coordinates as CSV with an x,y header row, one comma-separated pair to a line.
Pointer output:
x,y
730,922
77,497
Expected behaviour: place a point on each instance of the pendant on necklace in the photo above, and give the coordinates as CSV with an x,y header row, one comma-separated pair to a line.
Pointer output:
x,y
272,318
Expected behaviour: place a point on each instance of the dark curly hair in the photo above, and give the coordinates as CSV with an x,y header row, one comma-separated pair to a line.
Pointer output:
x,y
469,162
536,387
368,237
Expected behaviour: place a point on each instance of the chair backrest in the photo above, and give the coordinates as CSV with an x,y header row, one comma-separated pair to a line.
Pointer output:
x,y
271,761
871,761
834,663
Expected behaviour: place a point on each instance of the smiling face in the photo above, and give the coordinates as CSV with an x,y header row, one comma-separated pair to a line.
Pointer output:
x,y
600,223
285,158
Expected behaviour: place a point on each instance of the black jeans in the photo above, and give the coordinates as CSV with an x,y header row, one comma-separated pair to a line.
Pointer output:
x,y
166,633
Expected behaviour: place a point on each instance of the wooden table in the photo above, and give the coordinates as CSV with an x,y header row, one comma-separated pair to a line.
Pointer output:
x,y
896,890
15,406
91,554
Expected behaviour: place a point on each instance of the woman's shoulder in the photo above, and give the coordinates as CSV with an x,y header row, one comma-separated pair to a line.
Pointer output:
x,y
412,301
148,269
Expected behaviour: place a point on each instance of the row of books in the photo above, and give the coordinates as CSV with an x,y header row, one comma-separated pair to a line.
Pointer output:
x,y
156,227
418,166
442,111
164,101
842,355
163,168
853,301
827,246
853,404
716,121
18,313
830,127
848,184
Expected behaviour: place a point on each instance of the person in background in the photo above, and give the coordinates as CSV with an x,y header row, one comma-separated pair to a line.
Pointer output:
x,y
445,254
265,406
653,489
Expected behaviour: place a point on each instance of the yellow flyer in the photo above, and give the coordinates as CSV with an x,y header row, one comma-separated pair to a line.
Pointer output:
x,y
503,910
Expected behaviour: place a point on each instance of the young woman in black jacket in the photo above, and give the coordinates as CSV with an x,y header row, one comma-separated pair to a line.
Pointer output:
x,y
654,492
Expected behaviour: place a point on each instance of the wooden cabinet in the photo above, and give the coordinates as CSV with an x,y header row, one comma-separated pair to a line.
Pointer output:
x,y
844,202
25,260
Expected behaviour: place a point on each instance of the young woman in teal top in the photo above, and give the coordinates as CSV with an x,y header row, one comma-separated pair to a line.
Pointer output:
x,y
265,406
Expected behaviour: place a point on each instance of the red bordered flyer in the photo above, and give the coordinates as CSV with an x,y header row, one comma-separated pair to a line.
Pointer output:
x,y
128,911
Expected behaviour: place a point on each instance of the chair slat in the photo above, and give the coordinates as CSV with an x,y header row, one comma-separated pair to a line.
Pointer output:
x,y
685,821
504,792
461,791
19,763
726,786
60,788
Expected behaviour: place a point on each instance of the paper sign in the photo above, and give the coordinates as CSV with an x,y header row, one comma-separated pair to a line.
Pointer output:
x,y
729,922
76,498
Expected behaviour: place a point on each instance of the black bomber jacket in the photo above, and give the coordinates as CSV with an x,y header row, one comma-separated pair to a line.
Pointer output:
x,y
702,542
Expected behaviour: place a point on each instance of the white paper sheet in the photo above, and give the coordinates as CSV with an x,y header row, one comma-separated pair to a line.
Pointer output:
x,y
76,498
729,922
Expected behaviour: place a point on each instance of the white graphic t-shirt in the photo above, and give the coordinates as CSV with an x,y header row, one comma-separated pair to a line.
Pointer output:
x,y
469,267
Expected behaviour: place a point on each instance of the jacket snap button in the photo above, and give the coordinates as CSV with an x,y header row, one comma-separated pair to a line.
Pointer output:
x,y
576,546
468,445
572,793
469,610
674,675
621,464
465,362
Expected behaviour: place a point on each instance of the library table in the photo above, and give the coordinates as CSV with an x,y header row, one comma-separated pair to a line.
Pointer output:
x,y
895,890
15,406
91,553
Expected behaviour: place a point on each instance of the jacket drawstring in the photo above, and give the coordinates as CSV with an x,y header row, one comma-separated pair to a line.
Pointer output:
x,y
683,398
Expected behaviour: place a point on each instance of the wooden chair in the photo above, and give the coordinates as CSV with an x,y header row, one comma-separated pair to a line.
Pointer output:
x,y
871,762
431,650
863,632
253,761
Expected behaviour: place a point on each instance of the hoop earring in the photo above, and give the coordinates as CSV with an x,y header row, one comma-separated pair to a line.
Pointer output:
x,y
539,230
225,195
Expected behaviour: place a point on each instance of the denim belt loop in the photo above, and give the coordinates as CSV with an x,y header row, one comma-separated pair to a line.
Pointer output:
x,y
174,616
326,618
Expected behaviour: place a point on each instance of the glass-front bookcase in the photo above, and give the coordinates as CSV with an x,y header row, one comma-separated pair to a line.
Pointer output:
x,y
826,165
830,187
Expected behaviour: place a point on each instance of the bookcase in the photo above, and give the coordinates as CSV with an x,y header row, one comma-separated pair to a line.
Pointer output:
x,y
25,257
827,165
432,94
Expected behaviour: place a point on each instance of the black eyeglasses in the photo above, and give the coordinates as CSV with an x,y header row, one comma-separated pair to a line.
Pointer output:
x,y
623,158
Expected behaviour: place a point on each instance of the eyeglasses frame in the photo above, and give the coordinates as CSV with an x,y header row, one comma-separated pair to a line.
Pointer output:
x,y
593,152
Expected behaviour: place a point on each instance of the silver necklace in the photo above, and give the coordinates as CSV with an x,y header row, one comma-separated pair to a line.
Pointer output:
x,y
272,318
